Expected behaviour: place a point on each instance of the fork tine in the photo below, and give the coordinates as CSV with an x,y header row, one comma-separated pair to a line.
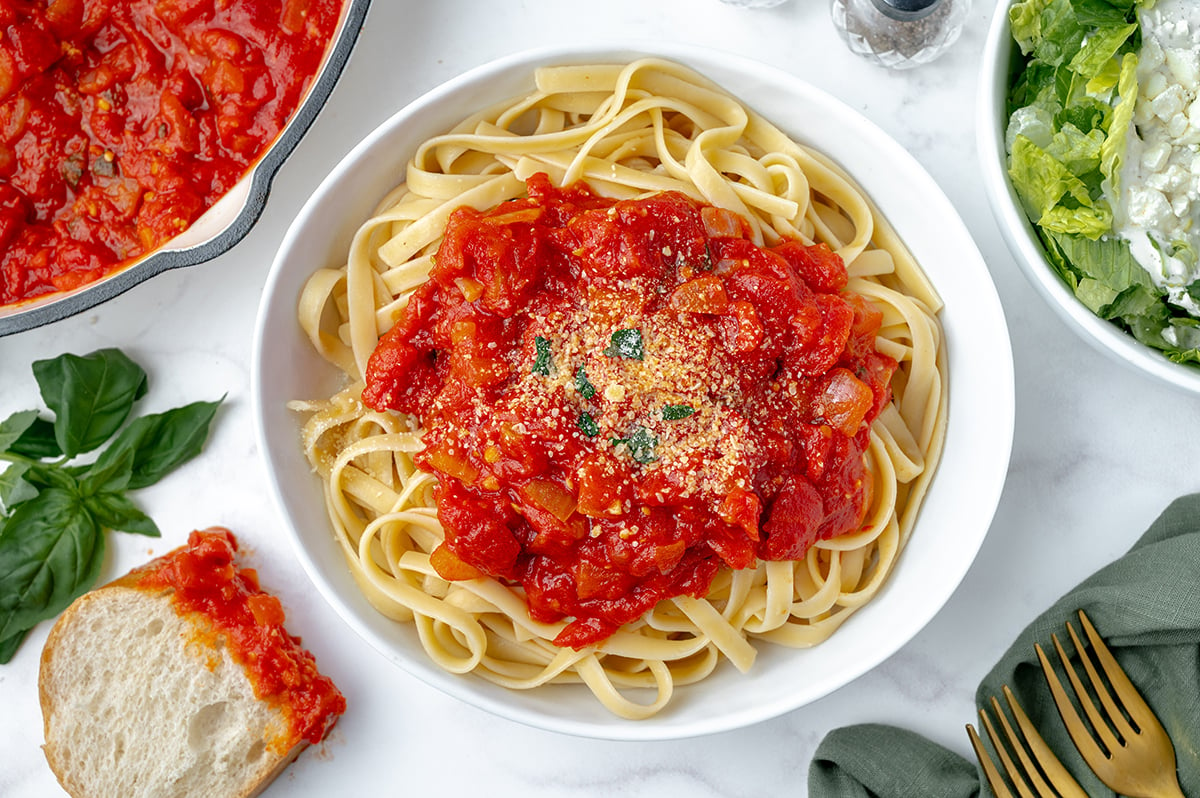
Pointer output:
x,y
1014,773
1143,717
994,779
1115,716
1075,726
1058,775
1030,769
1011,768
1099,726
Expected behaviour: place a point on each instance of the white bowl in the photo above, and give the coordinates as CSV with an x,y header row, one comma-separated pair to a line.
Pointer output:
x,y
960,503
1018,231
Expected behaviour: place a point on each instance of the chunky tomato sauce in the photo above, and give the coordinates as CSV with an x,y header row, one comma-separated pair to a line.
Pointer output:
x,y
205,579
620,398
122,121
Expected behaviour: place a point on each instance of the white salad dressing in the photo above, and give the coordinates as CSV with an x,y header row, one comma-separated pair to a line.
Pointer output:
x,y
1158,210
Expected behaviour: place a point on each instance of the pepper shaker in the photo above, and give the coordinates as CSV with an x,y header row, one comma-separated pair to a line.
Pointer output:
x,y
899,34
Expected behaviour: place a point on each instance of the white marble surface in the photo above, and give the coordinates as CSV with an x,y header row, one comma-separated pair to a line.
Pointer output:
x,y
1098,449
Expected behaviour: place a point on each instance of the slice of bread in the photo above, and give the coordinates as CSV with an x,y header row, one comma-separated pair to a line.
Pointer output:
x,y
140,698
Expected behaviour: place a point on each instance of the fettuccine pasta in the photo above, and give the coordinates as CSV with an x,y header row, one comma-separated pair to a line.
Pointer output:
x,y
627,131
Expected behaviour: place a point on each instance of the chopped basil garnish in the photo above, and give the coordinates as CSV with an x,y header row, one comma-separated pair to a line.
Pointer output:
x,y
676,412
626,343
541,357
583,385
588,425
641,444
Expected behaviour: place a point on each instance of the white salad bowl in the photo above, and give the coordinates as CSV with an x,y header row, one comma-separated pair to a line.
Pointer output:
x,y
1022,239
953,520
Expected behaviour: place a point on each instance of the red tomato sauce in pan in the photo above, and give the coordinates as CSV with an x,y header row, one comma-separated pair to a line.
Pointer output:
x,y
122,121
619,398
205,578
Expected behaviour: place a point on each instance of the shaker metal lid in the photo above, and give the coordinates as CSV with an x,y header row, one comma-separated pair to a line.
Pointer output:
x,y
906,10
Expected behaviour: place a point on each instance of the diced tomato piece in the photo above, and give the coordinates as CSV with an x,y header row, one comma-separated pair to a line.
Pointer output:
x,y
581,633
818,445
741,328
479,531
65,17
293,16
821,352
817,265
450,566
603,484
734,548
876,371
549,496
843,402
723,223
703,294
793,521
266,609
742,509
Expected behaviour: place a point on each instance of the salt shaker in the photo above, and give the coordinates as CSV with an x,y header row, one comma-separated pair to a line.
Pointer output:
x,y
899,34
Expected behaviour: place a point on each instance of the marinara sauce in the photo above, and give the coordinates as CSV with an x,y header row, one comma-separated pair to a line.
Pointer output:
x,y
122,121
621,397
205,578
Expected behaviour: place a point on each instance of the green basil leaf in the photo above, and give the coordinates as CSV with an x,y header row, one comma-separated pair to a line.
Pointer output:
x,y
641,444
48,475
583,384
587,425
676,412
115,511
109,473
91,396
37,441
50,553
541,356
14,488
160,443
626,343
13,427
9,646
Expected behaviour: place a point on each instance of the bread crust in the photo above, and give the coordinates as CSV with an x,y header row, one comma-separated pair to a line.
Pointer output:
x,y
140,700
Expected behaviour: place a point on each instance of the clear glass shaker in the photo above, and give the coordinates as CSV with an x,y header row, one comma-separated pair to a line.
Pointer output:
x,y
899,34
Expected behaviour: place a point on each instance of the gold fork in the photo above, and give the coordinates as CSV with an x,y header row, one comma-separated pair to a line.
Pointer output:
x,y
1134,755
1038,765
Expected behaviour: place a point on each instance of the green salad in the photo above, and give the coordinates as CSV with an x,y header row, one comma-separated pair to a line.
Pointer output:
x,y
1071,107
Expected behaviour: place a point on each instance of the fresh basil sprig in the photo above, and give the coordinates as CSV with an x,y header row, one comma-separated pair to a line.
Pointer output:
x,y
54,510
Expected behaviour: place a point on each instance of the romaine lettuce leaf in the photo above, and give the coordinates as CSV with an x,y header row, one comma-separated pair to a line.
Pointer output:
x,y
1090,222
1054,197
1025,20
1061,33
1107,260
1079,152
1113,149
1099,48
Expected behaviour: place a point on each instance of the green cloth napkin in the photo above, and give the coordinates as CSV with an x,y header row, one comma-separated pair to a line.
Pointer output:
x,y
1146,606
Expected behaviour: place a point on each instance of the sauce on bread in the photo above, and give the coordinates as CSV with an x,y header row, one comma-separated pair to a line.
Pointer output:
x,y
204,578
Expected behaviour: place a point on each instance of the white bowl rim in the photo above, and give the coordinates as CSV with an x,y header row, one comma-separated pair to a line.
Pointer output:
x,y
1021,238
990,444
